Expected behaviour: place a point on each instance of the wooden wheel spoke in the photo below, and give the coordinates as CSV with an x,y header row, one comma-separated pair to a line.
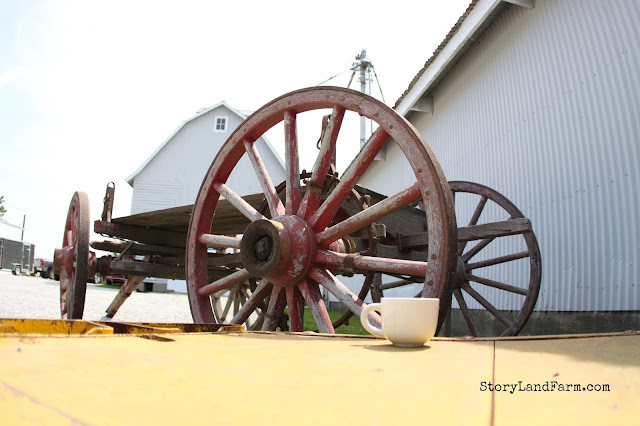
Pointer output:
x,y
342,293
497,284
395,284
311,293
325,213
325,158
295,302
485,303
276,306
465,312
473,221
220,241
275,205
238,202
478,211
292,163
476,249
369,215
370,263
253,302
231,297
224,283
497,260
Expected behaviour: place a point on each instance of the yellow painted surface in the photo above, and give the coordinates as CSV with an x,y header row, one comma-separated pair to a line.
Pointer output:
x,y
32,326
241,378
567,367
253,378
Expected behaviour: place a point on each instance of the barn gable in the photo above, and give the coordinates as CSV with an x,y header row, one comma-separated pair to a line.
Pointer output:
x,y
172,175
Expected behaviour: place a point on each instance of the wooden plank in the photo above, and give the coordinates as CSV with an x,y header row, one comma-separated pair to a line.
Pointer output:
x,y
142,249
471,233
141,234
157,270
213,260
132,267
494,229
177,218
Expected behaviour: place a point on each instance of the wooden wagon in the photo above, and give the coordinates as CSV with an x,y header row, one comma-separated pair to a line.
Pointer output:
x,y
275,251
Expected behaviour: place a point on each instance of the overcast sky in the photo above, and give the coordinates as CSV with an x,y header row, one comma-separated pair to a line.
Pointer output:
x,y
89,89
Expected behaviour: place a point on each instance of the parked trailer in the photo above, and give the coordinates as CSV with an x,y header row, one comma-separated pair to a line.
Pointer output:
x,y
279,248
16,256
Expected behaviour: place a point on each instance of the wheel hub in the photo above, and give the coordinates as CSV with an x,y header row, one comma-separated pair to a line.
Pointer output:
x,y
281,250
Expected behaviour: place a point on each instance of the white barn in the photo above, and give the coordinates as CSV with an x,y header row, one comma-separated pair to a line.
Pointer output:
x,y
540,100
172,175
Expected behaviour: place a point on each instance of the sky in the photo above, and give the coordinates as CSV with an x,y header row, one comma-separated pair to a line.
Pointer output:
x,y
89,89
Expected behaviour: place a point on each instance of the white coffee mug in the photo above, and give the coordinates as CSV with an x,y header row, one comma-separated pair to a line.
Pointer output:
x,y
406,321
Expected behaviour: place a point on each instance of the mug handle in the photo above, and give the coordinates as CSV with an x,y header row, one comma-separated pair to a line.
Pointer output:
x,y
364,319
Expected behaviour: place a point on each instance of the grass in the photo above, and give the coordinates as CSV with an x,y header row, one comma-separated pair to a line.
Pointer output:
x,y
105,285
353,327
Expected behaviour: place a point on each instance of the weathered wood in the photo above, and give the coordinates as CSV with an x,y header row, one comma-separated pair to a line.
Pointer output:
x,y
494,229
123,294
407,220
133,267
227,220
142,249
471,233
214,260
400,283
393,252
141,234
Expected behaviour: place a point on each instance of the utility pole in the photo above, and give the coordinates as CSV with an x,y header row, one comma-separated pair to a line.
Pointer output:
x,y
364,67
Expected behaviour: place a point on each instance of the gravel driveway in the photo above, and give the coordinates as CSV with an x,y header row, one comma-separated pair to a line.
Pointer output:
x,y
38,298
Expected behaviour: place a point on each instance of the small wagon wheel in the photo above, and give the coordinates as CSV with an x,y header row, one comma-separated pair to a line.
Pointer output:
x,y
73,259
226,304
505,230
515,246
297,251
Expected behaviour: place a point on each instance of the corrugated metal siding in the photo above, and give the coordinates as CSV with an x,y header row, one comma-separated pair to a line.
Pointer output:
x,y
545,109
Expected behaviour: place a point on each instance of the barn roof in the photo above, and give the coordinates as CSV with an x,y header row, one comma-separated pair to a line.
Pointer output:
x,y
469,27
240,114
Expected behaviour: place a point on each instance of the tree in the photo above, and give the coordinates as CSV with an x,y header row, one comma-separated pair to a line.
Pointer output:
x,y
2,209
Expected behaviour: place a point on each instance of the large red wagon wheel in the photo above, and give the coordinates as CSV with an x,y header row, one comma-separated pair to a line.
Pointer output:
x,y
72,261
510,232
298,250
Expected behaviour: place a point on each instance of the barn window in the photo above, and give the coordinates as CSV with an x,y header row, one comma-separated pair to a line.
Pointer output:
x,y
221,125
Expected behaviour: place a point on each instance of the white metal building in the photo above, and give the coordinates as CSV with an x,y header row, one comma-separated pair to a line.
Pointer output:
x,y
540,100
172,175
